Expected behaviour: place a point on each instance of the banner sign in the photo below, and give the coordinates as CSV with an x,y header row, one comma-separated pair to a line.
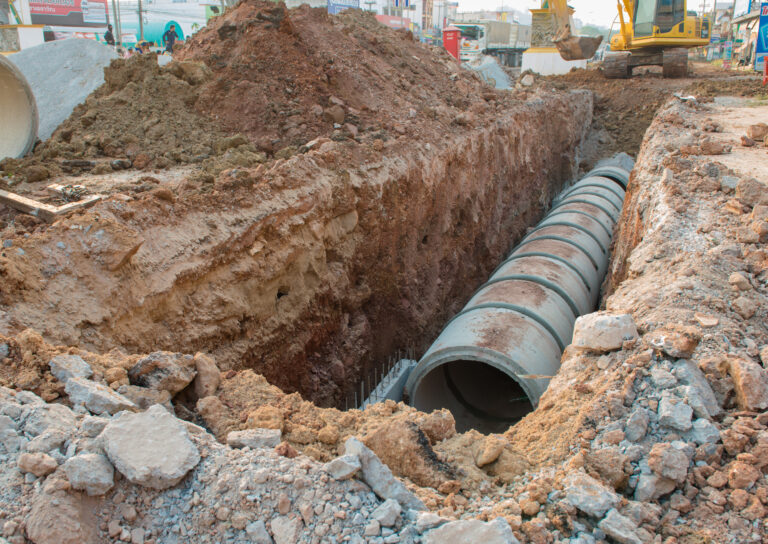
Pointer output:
x,y
741,7
761,47
76,13
337,6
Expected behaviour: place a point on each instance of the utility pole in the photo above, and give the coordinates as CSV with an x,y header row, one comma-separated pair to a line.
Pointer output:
x,y
141,24
116,17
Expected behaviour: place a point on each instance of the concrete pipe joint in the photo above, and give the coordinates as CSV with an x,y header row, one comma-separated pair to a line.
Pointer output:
x,y
494,360
18,112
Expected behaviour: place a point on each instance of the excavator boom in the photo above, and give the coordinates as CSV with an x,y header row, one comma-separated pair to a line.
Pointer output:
x,y
569,46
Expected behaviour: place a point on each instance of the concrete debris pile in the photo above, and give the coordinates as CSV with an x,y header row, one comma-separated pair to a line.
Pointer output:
x,y
85,478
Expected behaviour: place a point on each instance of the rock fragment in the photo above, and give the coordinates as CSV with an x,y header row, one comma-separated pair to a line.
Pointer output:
x,y
39,464
750,382
497,531
286,529
623,530
637,424
378,476
99,399
668,462
387,512
257,533
588,495
208,376
674,413
164,370
344,467
64,367
150,448
90,472
255,438
601,331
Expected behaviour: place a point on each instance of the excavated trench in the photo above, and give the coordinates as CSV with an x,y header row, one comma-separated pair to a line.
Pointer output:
x,y
318,276
494,359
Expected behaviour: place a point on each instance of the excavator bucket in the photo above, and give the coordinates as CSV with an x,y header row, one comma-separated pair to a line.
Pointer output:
x,y
577,47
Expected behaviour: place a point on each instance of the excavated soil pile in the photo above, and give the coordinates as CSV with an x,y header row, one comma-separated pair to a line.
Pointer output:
x,y
284,77
259,83
140,117
625,108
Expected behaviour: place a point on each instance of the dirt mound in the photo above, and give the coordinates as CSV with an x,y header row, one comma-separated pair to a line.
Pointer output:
x,y
284,77
141,116
624,108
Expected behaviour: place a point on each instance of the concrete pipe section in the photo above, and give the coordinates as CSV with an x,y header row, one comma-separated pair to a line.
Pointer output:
x,y
18,112
494,359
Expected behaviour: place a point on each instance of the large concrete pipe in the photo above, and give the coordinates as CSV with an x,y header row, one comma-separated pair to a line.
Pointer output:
x,y
62,74
494,359
18,112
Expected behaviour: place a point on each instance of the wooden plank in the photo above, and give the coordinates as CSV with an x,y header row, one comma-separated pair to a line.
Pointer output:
x,y
87,202
46,212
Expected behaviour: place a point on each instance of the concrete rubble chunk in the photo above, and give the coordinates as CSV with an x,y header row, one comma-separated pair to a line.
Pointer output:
x,y
163,370
602,331
690,374
144,397
750,382
98,398
39,464
92,426
623,530
379,478
257,533
64,367
387,512
751,192
662,379
668,462
255,438
674,413
497,531
637,425
652,486
45,416
50,439
704,431
343,468
428,520
286,529
90,472
589,495
151,448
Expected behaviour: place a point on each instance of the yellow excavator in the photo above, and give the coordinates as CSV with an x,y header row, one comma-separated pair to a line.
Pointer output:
x,y
655,33
651,33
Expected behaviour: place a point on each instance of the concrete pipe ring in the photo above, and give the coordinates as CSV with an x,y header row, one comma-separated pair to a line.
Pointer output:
x,y
18,112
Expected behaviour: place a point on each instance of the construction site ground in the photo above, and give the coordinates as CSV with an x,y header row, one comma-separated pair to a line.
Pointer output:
x,y
298,198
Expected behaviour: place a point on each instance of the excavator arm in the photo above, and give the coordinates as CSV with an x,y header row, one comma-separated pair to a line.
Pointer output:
x,y
571,47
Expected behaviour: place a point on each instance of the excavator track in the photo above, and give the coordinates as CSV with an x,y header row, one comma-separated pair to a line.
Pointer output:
x,y
675,62
616,66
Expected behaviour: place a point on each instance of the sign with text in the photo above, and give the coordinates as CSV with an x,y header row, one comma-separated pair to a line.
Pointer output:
x,y
761,47
75,13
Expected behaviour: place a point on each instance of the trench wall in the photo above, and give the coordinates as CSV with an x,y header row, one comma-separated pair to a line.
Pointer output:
x,y
311,270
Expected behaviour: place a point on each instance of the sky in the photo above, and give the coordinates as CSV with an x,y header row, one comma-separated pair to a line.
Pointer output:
x,y
599,12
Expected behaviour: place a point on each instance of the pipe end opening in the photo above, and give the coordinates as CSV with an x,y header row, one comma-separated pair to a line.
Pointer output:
x,y
478,395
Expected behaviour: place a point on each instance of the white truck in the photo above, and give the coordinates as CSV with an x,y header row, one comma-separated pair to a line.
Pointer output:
x,y
505,41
